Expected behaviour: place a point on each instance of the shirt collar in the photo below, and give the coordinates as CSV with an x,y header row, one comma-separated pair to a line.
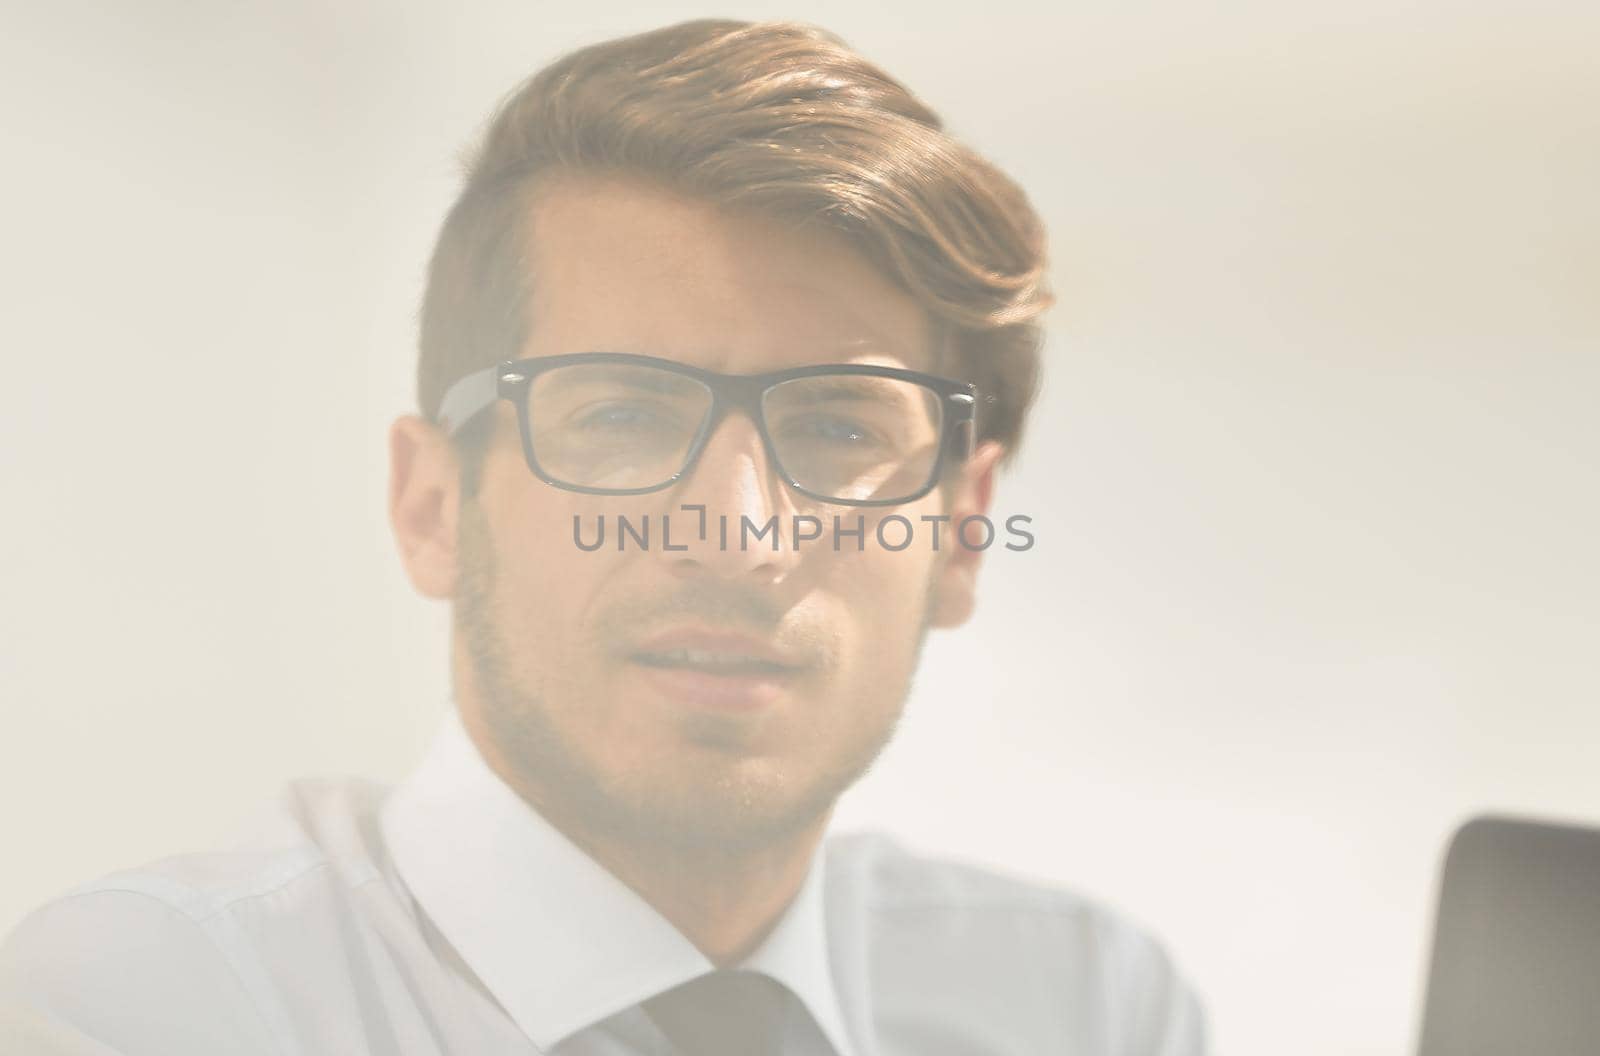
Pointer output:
x,y
558,940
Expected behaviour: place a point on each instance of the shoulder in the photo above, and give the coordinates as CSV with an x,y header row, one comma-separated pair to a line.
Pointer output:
x,y
316,834
1058,959
166,957
131,968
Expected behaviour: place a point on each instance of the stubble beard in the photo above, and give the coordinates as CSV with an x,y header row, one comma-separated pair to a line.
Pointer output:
x,y
724,811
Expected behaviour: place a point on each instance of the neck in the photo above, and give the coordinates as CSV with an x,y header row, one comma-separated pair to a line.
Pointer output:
x,y
723,900
725,904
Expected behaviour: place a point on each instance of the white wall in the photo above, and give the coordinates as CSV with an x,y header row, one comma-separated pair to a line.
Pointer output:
x,y
1315,478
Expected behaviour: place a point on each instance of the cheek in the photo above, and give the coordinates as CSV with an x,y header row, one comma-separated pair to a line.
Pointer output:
x,y
883,598
896,580
548,585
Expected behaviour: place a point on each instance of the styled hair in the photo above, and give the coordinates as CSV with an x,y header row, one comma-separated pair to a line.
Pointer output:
x,y
779,118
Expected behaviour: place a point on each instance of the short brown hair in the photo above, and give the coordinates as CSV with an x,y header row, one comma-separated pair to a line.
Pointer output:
x,y
778,117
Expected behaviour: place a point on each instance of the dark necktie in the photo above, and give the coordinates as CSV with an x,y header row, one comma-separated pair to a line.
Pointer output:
x,y
728,1012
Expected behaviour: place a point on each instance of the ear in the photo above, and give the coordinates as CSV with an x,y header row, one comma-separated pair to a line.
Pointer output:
x,y
955,587
424,497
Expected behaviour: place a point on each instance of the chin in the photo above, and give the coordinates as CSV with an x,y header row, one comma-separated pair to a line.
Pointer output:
x,y
740,804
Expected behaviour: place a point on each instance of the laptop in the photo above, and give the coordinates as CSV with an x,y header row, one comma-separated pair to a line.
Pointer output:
x,y
1516,948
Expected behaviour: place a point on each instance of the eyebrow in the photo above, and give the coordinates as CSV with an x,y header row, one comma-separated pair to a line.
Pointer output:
x,y
821,388
644,379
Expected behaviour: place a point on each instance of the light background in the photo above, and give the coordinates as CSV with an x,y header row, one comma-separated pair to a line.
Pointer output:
x,y
1314,479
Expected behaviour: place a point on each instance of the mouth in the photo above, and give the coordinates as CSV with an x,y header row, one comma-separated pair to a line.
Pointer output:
x,y
700,668
711,662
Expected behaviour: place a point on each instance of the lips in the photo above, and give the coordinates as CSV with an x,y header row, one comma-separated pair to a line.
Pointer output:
x,y
728,672
711,662
715,652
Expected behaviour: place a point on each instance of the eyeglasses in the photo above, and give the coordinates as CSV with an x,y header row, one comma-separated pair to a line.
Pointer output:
x,y
612,423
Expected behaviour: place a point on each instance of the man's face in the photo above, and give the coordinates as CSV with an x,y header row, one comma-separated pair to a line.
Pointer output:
x,y
710,696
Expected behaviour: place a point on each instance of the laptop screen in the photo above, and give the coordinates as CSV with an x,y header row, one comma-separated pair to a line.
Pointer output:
x,y
1516,955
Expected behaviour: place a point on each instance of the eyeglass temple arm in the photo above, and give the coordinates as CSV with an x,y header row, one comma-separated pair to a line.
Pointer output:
x,y
468,397
964,436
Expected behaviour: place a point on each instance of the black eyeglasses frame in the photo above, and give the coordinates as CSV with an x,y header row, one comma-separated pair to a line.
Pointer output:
x,y
511,380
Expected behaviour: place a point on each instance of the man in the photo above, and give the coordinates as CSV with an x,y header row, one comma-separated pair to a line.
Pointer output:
x,y
731,291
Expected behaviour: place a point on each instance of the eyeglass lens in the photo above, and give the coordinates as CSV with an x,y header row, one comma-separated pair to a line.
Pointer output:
x,y
623,427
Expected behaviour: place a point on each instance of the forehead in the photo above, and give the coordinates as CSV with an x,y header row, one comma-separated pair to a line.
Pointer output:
x,y
619,265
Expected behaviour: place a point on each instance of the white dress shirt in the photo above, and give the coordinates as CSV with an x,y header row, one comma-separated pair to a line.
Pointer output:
x,y
447,916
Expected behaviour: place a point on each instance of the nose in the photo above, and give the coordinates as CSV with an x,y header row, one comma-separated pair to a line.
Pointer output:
x,y
741,523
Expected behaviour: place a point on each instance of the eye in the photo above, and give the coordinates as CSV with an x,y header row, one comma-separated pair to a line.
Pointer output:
x,y
622,418
822,428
